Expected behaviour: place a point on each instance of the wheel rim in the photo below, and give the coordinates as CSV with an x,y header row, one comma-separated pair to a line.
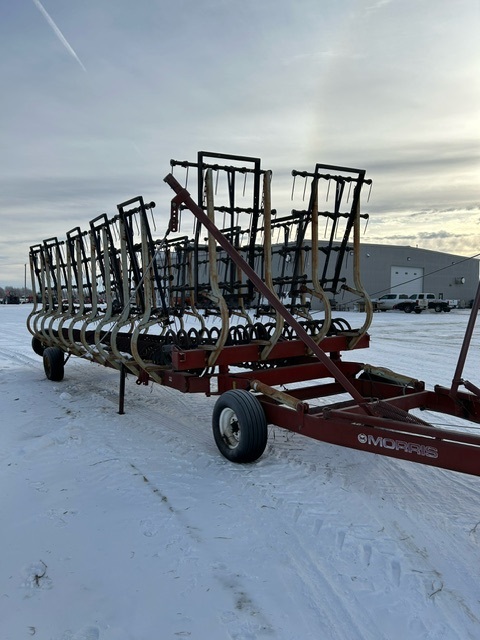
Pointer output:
x,y
229,428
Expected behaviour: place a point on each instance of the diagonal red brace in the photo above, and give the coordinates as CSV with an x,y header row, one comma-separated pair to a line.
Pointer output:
x,y
185,197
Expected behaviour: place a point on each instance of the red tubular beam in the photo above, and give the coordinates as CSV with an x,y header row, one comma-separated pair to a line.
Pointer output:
x,y
299,373
471,387
184,196
402,428
231,355
464,405
457,378
444,449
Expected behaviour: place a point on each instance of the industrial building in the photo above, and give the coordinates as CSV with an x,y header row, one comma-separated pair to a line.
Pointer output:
x,y
410,270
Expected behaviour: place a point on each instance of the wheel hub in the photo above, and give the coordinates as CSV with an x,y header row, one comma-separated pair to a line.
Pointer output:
x,y
229,428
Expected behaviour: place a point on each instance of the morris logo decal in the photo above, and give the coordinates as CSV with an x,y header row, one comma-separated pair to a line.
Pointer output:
x,y
398,445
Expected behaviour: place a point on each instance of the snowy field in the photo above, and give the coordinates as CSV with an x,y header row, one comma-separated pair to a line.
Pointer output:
x,y
134,527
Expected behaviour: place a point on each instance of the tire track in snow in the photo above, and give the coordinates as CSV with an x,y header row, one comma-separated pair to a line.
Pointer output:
x,y
310,487
190,463
14,358
375,547
189,540
302,468
144,404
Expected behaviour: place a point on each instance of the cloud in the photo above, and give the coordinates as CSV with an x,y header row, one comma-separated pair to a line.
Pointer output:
x,y
58,33
433,235
461,244
357,84
456,211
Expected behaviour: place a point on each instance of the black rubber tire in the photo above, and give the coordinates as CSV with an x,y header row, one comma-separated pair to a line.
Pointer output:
x,y
417,311
54,363
37,346
438,308
408,308
239,426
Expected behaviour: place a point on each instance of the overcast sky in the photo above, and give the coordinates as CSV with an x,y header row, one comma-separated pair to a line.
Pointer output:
x,y
98,95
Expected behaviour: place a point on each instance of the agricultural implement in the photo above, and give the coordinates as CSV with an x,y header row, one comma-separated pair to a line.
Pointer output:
x,y
237,300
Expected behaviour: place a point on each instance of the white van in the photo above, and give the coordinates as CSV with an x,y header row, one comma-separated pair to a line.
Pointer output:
x,y
389,300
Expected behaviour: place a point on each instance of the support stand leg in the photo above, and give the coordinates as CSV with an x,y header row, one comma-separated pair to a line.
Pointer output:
x,y
121,395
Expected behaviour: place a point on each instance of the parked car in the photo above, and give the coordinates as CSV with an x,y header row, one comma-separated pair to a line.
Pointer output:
x,y
440,305
388,301
419,302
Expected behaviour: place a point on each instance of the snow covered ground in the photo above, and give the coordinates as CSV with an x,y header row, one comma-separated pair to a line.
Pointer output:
x,y
134,527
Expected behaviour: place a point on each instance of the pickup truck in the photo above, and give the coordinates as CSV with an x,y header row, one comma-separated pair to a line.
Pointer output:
x,y
419,302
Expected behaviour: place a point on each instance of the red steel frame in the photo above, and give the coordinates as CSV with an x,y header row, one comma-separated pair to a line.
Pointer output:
x,y
374,419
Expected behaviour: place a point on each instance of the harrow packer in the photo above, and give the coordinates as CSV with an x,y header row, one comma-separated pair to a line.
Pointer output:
x,y
235,299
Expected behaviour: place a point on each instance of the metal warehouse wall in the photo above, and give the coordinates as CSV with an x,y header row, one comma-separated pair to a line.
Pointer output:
x,y
447,275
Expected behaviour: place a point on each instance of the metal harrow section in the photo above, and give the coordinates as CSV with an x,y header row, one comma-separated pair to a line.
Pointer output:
x,y
118,296
233,298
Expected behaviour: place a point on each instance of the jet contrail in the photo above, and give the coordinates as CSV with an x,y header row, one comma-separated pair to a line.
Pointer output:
x,y
57,32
